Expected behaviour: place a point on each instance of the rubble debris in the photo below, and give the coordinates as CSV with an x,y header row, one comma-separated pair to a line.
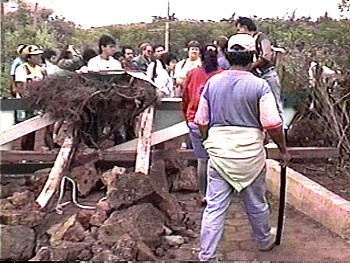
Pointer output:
x,y
20,242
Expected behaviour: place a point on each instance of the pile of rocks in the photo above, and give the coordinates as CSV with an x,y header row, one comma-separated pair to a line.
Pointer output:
x,y
137,219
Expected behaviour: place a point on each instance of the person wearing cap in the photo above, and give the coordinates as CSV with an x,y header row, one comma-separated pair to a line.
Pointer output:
x,y
192,61
19,60
29,71
192,89
264,65
234,110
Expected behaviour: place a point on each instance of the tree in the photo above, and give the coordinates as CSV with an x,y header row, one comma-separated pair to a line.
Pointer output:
x,y
344,6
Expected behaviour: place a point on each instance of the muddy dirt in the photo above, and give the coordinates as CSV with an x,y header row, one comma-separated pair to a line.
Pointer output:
x,y
330,173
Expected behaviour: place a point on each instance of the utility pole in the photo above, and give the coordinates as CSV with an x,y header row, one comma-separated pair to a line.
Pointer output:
x,y
167,25
2,36
35,16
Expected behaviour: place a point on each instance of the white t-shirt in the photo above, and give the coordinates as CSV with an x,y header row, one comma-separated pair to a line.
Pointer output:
x,y
185,66
97,63
25,72
162,79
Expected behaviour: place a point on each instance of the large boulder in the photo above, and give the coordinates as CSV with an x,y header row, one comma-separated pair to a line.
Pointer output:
x,y
69,230
135,188
142,222
38,180
21,209
17,242
67,251
86,178
158,175
186,180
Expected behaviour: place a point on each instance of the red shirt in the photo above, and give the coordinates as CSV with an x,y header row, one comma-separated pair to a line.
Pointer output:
x,y
192,90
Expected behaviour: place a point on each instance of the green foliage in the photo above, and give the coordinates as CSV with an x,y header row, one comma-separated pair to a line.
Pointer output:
x,y
325,40
344,6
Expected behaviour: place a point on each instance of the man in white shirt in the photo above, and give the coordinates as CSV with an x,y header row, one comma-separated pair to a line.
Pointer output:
x,y
105,61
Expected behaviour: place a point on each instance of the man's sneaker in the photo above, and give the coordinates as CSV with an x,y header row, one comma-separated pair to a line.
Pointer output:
x,y
269,245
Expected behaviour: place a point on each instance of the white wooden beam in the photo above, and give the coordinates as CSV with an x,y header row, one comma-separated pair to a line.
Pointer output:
x,y
56,173
25,127
144,141
157,137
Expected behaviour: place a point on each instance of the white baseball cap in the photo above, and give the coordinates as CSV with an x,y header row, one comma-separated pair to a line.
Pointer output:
x,y
246,41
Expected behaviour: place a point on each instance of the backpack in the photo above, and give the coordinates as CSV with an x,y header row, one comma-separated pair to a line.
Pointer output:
x,y
276,51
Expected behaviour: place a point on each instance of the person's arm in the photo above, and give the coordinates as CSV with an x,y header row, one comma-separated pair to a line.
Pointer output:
x,y
272,123
178,73
150,69
71,64
202,114
277,136
185,94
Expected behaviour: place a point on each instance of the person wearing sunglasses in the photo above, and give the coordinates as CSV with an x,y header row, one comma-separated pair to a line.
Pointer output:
x,y
144,58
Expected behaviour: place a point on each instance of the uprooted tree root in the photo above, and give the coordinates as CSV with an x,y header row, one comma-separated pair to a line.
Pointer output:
x,y
94,105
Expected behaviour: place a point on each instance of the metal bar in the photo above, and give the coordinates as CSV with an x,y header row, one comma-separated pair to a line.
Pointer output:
x,y
281,207
30,157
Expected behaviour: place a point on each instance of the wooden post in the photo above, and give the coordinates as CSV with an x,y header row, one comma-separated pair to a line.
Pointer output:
x,y
35,16
2,36
144,141
62,161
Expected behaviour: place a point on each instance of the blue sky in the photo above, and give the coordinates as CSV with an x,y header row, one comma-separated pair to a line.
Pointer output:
x,y
107,12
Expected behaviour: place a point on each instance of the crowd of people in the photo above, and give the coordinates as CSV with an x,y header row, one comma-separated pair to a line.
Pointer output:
x,y
231,99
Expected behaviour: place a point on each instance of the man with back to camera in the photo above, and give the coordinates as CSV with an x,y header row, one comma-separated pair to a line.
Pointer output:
x,y
264,65
234,110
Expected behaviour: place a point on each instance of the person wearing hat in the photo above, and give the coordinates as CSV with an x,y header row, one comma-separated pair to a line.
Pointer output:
x,y
234,110
192,61
29,71
19,60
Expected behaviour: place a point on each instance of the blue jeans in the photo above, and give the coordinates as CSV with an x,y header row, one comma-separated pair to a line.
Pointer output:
x,y
219,195
202,157
274,82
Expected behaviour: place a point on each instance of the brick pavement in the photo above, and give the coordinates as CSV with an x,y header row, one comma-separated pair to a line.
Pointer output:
x,y
303,239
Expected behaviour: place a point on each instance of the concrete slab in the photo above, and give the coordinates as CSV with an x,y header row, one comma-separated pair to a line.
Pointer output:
x,y
312,199
303,239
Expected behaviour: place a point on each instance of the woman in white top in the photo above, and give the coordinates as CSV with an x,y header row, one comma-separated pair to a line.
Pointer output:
x,y
184,66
